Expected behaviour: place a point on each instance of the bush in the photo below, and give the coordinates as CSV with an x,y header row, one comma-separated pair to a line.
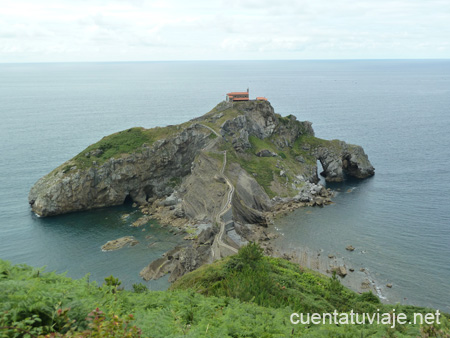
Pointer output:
x,y
369,297
250,254
140,288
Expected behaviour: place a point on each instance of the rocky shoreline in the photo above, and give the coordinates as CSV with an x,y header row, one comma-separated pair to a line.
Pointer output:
x,y
199,237
357,279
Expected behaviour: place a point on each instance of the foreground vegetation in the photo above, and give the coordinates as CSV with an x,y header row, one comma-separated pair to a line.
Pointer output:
x,y
246,295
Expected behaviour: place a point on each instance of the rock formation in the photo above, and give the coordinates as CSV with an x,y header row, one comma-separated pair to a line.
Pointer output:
x,y
119,243
228,169
137,176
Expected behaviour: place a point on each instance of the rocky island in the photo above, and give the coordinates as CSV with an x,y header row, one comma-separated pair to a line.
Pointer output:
x,y
224,174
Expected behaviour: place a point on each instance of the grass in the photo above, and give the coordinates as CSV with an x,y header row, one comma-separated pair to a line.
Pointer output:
x,y
277,283
117,144
264,168
274,282
246,295
113,145
175,181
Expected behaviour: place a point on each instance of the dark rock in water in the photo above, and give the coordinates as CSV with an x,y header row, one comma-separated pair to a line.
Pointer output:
x,y
389,285
119,243
365,284
340,270
350,248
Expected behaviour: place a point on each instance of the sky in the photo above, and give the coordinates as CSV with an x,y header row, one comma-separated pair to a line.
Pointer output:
x,y
140,30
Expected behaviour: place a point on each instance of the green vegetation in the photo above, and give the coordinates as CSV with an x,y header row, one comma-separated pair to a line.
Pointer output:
x,y
246,295
266,170
215,123
274,282
117,144
175,181
111,146
277,283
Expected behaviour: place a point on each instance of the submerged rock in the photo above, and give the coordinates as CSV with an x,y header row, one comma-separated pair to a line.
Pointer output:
x,y
141,221
119,243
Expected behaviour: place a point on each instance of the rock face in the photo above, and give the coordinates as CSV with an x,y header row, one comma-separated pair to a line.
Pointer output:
x,y
136,176
342,158
182,260
259,120
249,200
202,192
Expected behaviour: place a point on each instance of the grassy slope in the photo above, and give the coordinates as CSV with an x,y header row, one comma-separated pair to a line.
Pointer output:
x,y
277,283
117,144
28,292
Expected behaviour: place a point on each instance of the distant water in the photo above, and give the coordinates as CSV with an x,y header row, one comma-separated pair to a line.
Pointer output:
x,y
399,111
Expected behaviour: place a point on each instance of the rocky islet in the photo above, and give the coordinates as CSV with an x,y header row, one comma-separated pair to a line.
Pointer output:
x,y
180,178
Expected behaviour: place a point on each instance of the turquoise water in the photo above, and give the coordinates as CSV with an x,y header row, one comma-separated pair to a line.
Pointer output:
x,y
397,110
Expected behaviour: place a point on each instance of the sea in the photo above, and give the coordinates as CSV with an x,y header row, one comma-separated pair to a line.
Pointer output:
x,y
398,110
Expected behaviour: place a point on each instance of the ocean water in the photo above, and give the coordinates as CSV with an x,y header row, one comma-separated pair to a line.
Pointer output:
x,y
398,110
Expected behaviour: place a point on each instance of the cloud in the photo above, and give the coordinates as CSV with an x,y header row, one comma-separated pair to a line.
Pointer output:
x,y
232,29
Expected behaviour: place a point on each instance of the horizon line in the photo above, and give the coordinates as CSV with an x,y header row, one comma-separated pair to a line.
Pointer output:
x,y
234,60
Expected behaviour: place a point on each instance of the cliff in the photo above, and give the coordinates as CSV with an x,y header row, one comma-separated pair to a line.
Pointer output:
x,y
269,156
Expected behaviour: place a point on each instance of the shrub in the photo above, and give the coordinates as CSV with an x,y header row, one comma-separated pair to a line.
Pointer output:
x,y
140,288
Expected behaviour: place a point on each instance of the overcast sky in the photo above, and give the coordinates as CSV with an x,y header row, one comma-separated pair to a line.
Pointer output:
x,y
140,30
